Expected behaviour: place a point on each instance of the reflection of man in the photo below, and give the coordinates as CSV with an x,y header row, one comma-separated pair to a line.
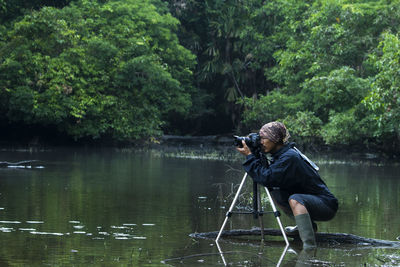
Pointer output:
x,y
296,185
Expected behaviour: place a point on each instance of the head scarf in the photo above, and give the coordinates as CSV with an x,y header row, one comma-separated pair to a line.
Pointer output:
x,y
275,131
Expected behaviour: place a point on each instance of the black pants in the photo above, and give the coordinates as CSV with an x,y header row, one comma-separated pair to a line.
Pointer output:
x,y
315,205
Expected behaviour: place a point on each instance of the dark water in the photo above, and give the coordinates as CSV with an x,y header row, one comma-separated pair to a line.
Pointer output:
x,y
109,208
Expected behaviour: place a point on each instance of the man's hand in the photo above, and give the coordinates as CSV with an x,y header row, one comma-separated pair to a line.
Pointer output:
x,y
245,150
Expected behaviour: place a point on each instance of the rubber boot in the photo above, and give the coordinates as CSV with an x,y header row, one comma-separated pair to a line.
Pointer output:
x,y
306,230
293,230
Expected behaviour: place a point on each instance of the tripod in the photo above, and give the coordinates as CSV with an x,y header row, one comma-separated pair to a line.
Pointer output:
x,y
257,213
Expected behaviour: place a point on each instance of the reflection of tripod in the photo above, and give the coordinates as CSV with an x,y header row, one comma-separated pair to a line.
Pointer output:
x,y
257,212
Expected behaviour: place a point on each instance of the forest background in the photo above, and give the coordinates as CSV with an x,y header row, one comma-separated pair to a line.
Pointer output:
x,y
126,70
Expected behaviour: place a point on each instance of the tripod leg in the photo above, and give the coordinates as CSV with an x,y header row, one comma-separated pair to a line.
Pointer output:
x,y
260,217
228,214
277,215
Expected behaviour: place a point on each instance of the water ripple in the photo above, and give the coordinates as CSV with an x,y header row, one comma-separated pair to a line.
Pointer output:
x,y
119,227
79,232
6,229
103,233
27,229
122,232
46,233
129,224
140,237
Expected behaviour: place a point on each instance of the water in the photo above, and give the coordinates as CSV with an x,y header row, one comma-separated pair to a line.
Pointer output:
x,y
110,208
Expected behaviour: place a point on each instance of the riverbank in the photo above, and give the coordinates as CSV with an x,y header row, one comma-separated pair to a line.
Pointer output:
x,y
213,147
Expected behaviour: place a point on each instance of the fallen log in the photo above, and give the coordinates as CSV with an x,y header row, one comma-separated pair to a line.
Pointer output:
x,y
332,239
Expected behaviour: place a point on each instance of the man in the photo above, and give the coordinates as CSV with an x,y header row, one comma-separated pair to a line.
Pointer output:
x,y
294,180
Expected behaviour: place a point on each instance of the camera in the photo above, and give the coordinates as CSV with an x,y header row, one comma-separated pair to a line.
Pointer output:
x,y
253,141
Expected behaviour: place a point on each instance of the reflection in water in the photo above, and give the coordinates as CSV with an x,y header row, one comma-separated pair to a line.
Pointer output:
x,y
110,209
118,232
46,233
220,252
282,255
304,257
260,253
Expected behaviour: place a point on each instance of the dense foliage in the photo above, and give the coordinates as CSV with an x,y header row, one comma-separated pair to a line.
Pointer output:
x,y
113,69
334,73
328,69
325,68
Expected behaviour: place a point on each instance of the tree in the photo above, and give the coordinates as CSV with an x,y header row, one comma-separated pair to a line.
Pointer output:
x,y
338,91
323,72
230,39
95,70
384,98
12,9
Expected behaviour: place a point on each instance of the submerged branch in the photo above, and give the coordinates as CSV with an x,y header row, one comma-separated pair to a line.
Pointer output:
x,y
334,239
5,164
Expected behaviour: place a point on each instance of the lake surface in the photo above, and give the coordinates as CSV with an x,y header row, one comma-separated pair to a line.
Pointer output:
x,y
116,208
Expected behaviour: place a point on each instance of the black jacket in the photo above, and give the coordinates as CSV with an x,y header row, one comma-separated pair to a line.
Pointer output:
x,y
290,172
